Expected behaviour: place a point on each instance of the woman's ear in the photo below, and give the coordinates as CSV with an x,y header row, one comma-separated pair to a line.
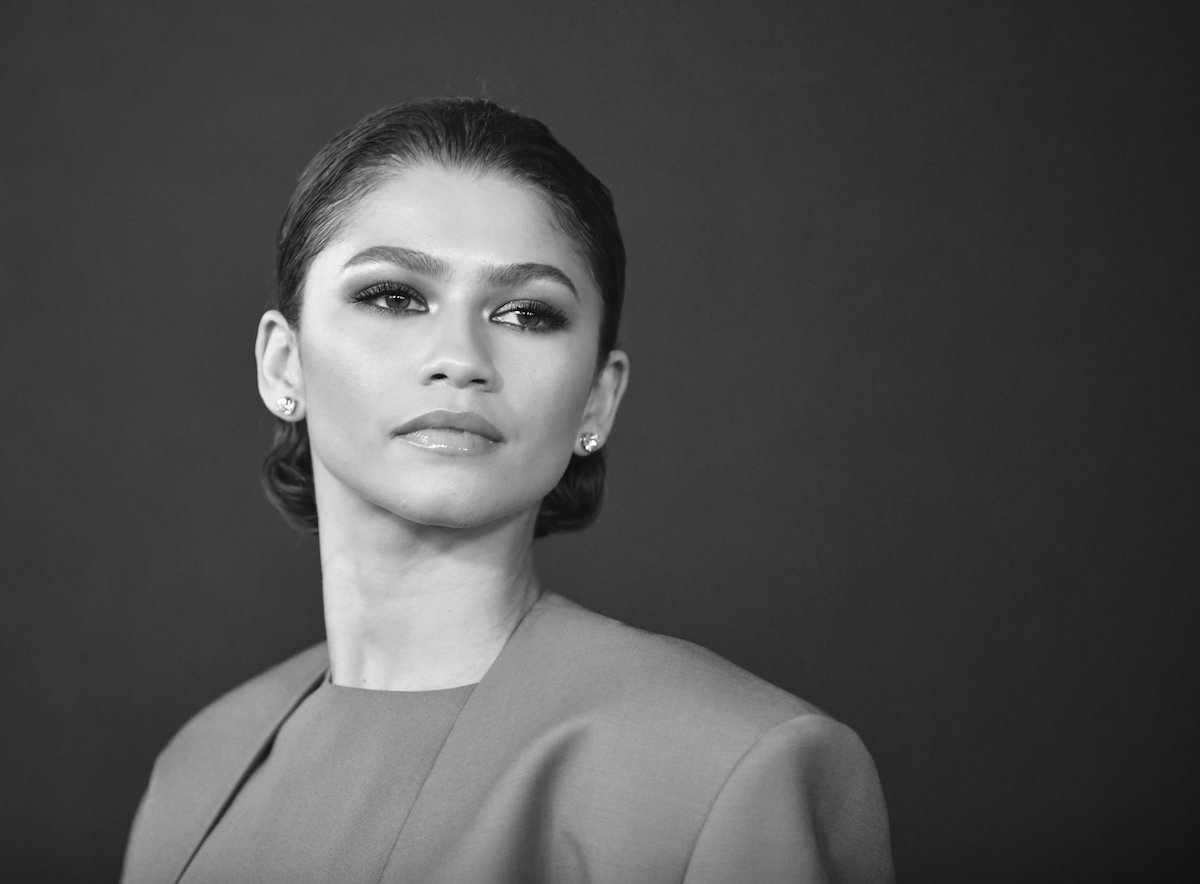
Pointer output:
x,y
605,398
280,376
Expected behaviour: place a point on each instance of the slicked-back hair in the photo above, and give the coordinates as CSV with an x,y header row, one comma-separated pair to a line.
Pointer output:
x,y
459,133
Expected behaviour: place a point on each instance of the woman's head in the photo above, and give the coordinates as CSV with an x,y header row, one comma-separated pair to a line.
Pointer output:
x,y
474,140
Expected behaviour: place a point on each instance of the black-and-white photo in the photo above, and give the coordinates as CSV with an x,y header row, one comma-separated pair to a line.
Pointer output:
x,y
686,443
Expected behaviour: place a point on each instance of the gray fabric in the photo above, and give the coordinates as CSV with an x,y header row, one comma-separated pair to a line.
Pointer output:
x,y
590,751
329,798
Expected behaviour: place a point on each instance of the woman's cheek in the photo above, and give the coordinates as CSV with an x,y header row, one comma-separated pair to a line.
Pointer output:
x,y
339,377
565,393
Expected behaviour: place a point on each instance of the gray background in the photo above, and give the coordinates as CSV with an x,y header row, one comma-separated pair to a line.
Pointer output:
x,y
912,314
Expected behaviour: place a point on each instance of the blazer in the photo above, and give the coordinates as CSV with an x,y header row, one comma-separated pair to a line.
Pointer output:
x,y
590,752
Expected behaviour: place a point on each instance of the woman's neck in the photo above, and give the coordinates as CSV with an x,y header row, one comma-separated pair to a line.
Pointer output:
x,y
414,608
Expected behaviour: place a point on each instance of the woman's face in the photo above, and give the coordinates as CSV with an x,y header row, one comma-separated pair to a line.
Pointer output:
x,y
446,351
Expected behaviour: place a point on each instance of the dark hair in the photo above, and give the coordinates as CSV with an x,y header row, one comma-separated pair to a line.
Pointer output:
x,y
459,133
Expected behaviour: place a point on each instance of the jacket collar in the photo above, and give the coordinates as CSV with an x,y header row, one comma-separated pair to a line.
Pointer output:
x,y
459,775
208,761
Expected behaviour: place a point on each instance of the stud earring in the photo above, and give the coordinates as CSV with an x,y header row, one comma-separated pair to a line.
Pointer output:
x,y
589,442
285,405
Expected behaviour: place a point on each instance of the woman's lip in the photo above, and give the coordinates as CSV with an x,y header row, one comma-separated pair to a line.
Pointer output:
x,y
448,441
433,425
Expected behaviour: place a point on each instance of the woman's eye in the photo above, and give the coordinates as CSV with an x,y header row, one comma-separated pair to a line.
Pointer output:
x,y
532,316
392,297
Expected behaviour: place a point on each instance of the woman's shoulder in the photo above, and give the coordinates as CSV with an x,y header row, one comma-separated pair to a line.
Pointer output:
x,y
760,768
608,663
254,707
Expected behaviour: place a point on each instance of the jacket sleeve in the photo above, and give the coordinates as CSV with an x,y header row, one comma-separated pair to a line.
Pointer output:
x,y
802,805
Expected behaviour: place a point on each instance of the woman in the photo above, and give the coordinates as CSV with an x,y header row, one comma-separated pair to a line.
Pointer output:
x,y
443,366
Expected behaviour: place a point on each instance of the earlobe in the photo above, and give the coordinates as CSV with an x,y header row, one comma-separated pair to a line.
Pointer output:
x,y
280,378
604,400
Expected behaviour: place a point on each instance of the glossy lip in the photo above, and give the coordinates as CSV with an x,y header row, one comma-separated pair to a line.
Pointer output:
x,y
450,432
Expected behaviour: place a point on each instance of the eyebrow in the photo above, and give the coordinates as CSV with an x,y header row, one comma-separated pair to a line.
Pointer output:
x,y
409,259
508,275
503,275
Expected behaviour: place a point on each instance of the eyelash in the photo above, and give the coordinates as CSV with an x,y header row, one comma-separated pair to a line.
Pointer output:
x,y
390,290
547,317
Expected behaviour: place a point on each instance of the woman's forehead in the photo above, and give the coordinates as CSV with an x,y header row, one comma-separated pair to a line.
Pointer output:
x,y
460,217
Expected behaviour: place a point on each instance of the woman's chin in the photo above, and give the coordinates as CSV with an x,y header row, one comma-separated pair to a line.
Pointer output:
x,y
459,515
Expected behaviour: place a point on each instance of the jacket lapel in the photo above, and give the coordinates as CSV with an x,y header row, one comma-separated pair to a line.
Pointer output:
x,y
201,770
513,703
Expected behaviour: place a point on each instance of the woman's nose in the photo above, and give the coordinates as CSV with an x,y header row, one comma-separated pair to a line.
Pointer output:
x,y
458,355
